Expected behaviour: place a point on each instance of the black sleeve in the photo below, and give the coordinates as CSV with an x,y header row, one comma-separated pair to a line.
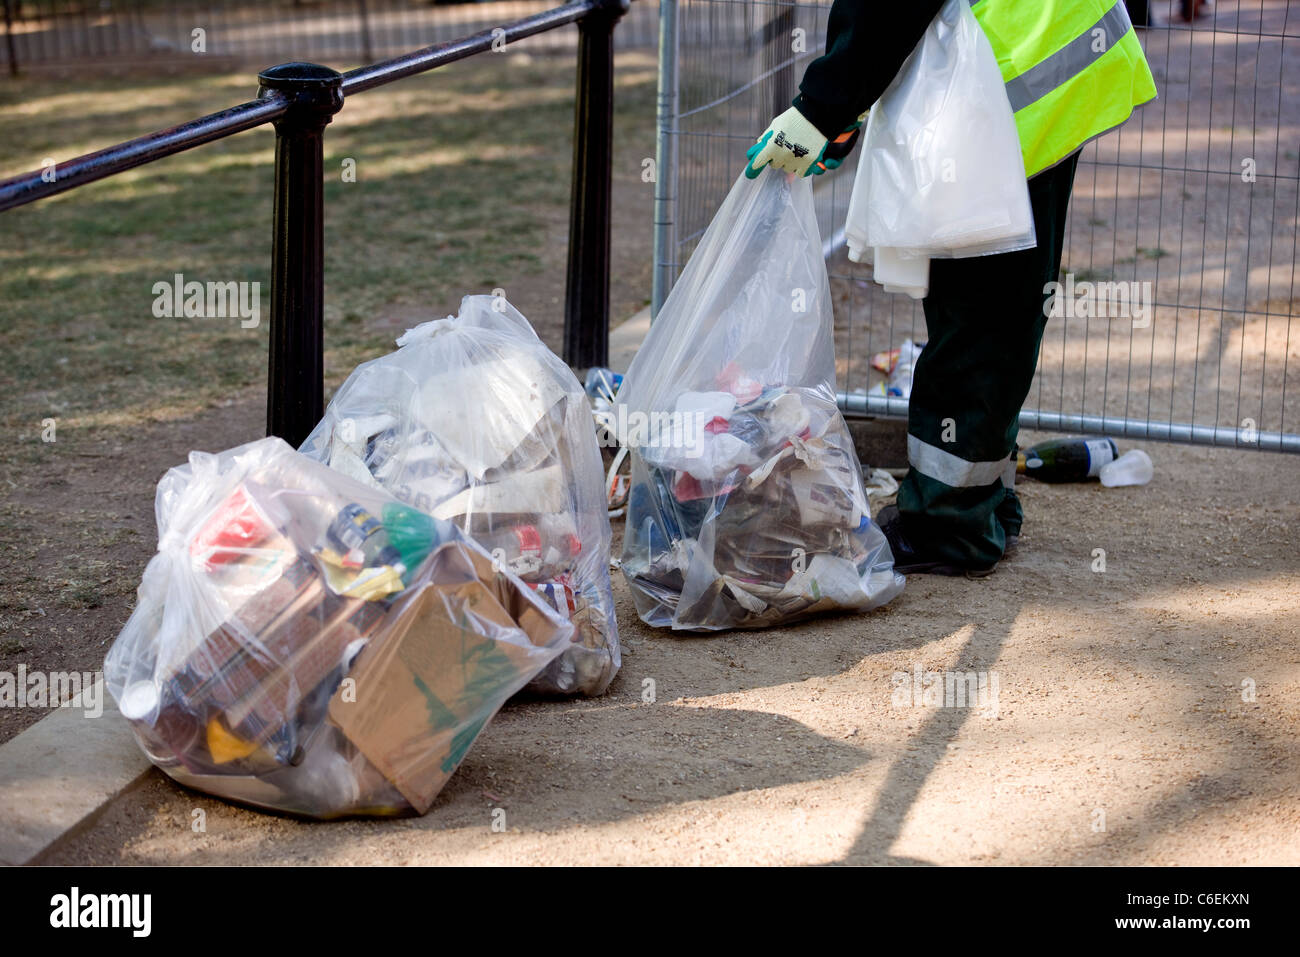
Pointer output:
x,y
866,44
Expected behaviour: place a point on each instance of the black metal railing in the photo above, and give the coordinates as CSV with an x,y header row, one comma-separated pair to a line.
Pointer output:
x,y
300,99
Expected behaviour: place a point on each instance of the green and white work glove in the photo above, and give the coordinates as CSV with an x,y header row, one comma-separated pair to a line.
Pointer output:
x,y
790,143
793,144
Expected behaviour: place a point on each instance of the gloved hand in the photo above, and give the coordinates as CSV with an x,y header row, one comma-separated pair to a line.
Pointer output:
x,y
838,149
790,143
782,146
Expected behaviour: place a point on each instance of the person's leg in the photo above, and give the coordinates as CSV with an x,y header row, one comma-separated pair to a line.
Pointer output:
x,y
985,318
1009,511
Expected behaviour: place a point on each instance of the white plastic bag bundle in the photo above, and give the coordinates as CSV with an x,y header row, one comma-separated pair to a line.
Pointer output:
x,y
306,643
941,173
475,421
747,506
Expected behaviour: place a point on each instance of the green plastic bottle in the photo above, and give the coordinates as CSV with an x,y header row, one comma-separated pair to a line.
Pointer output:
x,y
413,534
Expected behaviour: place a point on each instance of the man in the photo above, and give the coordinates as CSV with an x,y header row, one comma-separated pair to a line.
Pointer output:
x,y
1073,70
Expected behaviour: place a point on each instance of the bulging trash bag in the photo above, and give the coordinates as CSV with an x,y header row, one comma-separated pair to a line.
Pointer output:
x,y
475,421
746,507
941,174
306,643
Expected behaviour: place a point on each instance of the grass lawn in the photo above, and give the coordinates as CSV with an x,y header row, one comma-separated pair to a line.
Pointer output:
x,y
462,185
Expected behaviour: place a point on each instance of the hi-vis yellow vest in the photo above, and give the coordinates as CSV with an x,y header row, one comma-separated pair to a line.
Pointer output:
x,y
1073,69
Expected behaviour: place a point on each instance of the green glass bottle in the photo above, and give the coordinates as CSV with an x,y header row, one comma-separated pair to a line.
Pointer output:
x,y
1067,460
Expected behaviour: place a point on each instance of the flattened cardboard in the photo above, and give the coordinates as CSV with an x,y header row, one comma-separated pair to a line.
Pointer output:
x,y
455,655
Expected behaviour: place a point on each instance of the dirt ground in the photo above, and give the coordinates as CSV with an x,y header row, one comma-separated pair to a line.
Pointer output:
x,y
1119,732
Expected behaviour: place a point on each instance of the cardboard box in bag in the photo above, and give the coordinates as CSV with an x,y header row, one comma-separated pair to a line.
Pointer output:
x,y
459,648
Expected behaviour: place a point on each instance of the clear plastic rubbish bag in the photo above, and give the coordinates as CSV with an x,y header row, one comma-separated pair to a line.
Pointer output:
x,y
941,173
747,506
475,421
306,643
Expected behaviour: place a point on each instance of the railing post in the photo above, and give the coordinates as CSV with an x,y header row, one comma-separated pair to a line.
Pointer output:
x,y
295,398
9,39
586,302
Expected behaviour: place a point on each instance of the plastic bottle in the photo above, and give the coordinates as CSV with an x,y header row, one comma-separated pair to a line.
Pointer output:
x,y
602,386
900,378
1132,468
414,534
362,539
1068,460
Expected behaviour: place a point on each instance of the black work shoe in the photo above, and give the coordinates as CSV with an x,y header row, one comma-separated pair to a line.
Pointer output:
x,y
911,557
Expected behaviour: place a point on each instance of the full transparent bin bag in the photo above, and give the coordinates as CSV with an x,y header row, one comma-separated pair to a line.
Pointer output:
x,y
306,643
941,173
475,421
746,506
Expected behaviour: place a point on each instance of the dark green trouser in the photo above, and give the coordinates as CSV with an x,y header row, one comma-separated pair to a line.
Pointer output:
x,y
985,318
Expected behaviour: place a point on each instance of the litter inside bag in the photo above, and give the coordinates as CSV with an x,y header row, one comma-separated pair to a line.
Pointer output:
x,y
941,173
308,644
475,421
747,505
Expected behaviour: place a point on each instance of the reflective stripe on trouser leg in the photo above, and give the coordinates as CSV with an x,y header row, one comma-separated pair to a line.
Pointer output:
x,y
953,470
985,320
953,504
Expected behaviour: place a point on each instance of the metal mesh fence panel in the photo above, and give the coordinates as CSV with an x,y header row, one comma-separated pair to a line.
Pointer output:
x,y
1181,234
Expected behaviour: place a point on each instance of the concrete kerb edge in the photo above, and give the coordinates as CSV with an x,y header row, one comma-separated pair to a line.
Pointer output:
x,y
60,774
71,834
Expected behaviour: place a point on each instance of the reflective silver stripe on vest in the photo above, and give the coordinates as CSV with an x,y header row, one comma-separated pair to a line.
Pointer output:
x,y
1069,61
952,470
1009,472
